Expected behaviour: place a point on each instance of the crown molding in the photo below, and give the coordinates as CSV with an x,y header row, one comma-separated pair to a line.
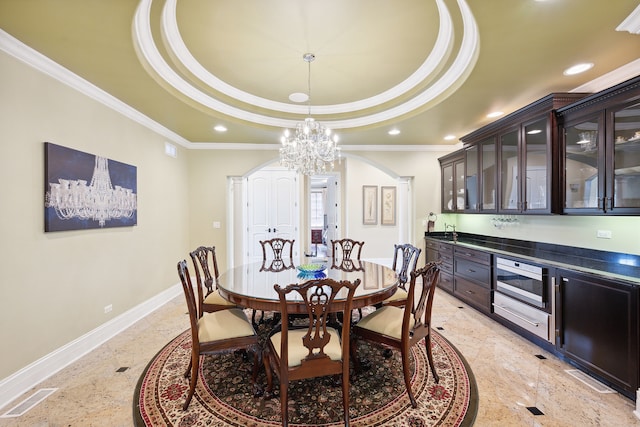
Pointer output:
x,y
45,65
631,23
612,78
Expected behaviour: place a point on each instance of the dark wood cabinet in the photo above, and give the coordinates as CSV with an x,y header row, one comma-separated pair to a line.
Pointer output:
x,y
600,138
597,326
594,317
438,251
472,273
452,182
510,163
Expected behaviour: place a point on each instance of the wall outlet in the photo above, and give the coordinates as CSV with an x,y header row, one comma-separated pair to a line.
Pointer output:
x,y
216,224
603,234
108,308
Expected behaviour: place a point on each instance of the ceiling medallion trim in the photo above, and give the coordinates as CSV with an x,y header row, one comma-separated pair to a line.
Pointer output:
x,y
450,80
175,44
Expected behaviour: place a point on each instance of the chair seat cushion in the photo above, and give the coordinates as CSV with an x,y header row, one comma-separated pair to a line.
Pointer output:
x,y
400,295
386,320
215,298
224,324
297,350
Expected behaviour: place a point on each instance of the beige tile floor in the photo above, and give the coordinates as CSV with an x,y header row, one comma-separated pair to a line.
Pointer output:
x,y
510,378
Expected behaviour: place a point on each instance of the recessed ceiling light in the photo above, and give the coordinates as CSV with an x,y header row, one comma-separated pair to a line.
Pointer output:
x,y
534,131
495,114
449,137
578,68
394,131
220,128
298,97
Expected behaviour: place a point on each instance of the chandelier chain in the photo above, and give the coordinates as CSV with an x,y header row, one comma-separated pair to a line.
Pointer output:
x,y
311,148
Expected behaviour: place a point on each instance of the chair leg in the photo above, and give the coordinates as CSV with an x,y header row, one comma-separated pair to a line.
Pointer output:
x,y
407,375
353,355
345,398
195,362
427,343
284,402
188,371
267,369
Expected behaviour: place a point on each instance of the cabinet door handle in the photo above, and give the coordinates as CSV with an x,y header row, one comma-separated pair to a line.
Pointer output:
x,y
470,292
471,270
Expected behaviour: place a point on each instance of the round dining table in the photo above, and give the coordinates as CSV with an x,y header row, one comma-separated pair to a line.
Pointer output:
x,y
252,285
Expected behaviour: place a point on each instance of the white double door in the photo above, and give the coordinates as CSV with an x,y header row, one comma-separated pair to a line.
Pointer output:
x,y
272,210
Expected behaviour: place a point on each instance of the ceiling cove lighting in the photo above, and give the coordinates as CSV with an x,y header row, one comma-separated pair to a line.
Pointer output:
x,y
578,68
220,128
394,132
311,149
449,137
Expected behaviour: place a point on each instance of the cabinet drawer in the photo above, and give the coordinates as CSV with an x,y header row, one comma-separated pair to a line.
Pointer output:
x,y
446,281
446,267
472,293
432,245
473,271
446,254
472,254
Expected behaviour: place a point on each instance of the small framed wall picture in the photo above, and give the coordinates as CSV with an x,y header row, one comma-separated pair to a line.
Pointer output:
x,y
369,204
388,205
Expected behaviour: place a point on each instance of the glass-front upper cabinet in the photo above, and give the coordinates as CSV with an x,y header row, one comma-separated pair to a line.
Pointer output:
x,y
536,136
625,171
480,181
488,177
582,165
471,159
452,188
511,167
601,150
459,199
509,172
525,167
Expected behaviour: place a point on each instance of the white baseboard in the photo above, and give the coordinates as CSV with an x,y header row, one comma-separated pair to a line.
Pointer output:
x,y
30,376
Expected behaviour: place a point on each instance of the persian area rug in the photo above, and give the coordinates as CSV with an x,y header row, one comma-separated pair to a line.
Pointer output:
x,y
378,397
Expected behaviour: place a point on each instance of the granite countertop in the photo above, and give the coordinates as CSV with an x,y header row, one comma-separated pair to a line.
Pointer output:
x,y
607,264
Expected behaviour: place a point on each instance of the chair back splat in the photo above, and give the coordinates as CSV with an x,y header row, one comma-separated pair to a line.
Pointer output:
x,y
408,255
401,327
319,347
209,300
405,258
277,254
345,254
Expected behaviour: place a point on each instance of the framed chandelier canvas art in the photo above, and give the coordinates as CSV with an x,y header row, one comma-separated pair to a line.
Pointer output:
x,y
85,191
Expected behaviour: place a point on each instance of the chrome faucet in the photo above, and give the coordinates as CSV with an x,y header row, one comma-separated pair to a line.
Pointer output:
x,y
453,228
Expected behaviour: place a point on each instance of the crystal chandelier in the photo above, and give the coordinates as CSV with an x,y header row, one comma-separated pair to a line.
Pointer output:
x,y
311,148
98,201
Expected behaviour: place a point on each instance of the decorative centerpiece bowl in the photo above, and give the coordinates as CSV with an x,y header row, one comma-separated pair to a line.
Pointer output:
x,y
311,271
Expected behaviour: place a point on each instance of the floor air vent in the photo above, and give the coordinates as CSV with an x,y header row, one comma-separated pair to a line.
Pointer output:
x,y
591,382
24,406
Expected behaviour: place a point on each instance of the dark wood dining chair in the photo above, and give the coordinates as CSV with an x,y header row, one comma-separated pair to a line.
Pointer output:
x,y
405,259
221,331
317,349
345,254
277,254
209,299
403,327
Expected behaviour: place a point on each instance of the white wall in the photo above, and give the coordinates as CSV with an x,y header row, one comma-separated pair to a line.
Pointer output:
x,y
55,285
